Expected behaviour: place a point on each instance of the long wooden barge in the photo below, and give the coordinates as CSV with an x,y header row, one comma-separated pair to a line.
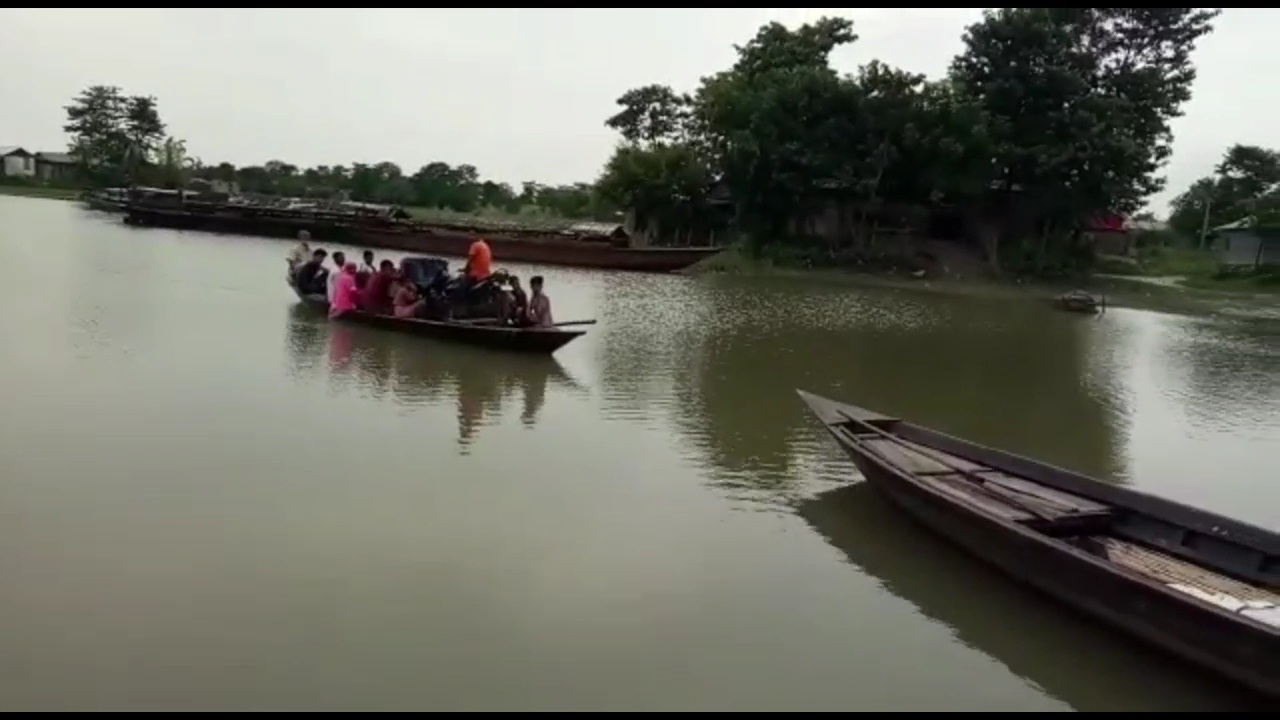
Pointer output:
x,y
374,231
546,249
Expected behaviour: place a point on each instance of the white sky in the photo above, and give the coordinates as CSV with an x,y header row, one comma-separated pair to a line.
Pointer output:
x,y
520,93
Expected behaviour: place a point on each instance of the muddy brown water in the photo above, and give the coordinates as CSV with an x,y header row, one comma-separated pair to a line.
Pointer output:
x,y
213,499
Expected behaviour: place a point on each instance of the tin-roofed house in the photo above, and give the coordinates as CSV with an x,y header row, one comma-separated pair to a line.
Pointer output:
x,y
53,167
16,162
1242,245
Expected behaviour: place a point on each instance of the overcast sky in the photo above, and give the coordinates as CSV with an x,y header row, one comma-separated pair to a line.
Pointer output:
x,y
519,93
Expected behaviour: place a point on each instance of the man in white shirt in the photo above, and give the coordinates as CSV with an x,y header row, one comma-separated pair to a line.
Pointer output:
x,y
339,259
367,265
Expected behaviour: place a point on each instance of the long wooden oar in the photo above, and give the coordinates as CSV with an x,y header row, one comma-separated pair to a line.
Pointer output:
x,y
566,323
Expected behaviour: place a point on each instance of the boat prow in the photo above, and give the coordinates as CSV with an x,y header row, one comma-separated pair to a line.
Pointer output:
x,y
832,412
1201,586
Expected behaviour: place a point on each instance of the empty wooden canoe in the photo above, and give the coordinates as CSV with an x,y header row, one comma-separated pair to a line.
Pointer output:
x,y
1203,587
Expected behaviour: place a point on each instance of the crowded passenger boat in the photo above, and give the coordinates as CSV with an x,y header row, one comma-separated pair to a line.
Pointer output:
x,y
419,288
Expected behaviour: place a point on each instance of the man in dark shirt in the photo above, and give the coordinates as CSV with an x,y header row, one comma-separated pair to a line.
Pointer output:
x,y
515,303
311,277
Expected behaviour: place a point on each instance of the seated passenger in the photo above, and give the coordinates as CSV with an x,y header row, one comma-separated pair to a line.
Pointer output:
x,y
539,313
365,270
406,303
345,294
516,304
339,261
311,278
375,296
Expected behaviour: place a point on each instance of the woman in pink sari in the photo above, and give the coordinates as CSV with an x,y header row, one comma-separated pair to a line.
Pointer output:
x,y
345,293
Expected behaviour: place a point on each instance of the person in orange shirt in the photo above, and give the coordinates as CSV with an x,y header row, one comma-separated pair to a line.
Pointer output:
x,y
479,260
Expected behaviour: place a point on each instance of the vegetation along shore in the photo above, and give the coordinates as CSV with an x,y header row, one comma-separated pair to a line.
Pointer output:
x,y
979,173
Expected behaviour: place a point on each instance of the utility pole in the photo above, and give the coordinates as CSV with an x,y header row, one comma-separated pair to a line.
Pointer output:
x,y
1204,224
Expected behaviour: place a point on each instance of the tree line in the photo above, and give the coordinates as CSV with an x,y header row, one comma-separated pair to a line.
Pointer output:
x,y
1245,184
1048,117
122,139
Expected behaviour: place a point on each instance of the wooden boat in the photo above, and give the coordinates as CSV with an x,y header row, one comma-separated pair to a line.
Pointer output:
x,y
246,220
1079,301
179,213
1203,587
1073,659
540,248
112,200
527,340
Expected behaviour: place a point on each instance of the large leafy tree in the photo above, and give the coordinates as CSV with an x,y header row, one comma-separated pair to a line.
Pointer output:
x,y
1078,102
112,134
1048,117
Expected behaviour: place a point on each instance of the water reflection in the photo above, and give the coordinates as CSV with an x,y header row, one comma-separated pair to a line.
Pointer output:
x,y
305,340
1069,657
417,373
1205,393
725,373
1230,373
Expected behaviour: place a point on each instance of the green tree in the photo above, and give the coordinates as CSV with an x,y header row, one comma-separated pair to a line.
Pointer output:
x,y
1078,103
113,136
666,187
651,114
95,124
173,166
778,125
143,127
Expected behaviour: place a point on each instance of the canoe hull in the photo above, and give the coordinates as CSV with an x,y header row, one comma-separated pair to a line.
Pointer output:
x,y
1200,633
536,341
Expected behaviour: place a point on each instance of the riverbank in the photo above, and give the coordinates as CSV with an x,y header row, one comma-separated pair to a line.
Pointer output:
x,y
40,191
1176,294
484,219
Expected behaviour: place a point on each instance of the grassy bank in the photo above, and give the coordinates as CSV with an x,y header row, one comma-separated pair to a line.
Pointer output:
x,y
39,191
1190,268
1131,290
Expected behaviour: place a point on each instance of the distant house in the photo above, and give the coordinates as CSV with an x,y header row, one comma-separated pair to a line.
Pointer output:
x,y
1240,246
54,166
16,162
1110,234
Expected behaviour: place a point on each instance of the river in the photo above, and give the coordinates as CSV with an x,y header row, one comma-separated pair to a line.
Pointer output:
x,y
215,500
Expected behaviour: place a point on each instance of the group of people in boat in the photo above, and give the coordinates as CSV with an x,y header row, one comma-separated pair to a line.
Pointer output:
x,y
382,288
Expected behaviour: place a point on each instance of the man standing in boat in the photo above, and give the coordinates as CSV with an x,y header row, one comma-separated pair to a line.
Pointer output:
x,y
479,261
299,254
